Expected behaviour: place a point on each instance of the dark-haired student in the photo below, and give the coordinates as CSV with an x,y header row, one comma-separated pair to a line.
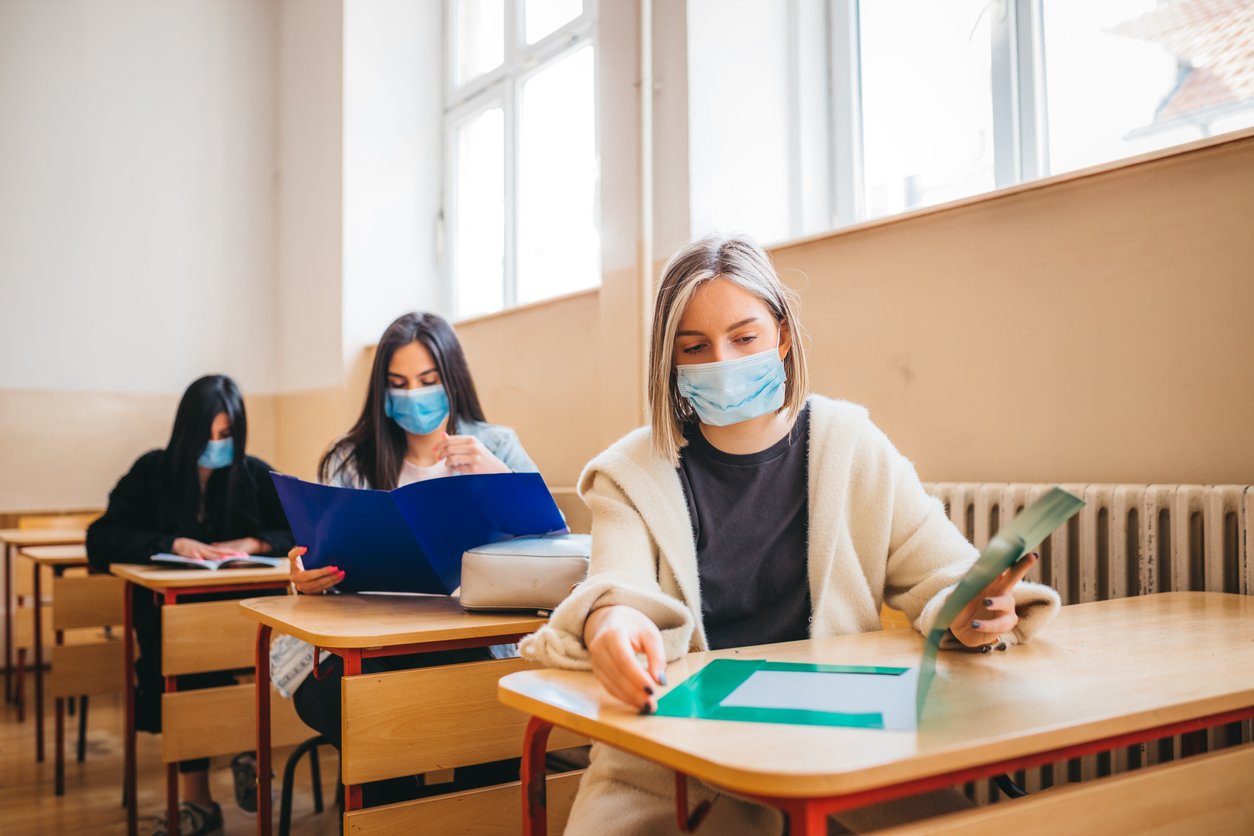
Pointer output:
x,y
201,497
421,420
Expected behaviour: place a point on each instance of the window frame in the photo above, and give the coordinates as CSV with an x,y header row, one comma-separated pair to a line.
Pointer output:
x,y
502,84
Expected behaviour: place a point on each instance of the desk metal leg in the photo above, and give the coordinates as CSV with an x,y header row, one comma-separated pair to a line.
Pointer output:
x,y
60,739
8,622
806,818
688,822
171,769
128,681
59,755
535,813
352,667
39,667
263,730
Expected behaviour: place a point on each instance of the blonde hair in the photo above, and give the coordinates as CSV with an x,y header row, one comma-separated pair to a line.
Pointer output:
x,y
742,262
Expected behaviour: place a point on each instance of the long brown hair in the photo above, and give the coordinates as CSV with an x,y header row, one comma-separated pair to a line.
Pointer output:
x,y
374,449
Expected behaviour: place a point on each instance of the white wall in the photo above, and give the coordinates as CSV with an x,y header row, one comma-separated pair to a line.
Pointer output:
x,y
308,281
137,206
393,99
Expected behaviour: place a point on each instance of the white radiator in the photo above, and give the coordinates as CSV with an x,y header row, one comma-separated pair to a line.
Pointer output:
x,y
1127,540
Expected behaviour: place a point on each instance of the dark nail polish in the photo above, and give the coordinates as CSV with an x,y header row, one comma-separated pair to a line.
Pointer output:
x,y
648,689
646,709
975,625
988,602
985,649
1002,646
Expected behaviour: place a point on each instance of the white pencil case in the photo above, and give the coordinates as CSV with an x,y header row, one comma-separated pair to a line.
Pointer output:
x,y
527,573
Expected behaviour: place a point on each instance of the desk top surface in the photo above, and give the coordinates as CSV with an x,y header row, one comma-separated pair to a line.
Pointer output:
x,y
1098,670
369,620
66,555
159,578
43,536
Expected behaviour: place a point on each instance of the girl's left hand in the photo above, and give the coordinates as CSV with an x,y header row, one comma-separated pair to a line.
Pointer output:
x,y
466,454
992,612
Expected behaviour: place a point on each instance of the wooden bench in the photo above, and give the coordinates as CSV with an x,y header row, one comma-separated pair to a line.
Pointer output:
x,y
433,719
1211,794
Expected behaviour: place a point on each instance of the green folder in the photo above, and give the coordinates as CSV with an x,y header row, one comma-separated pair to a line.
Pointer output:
x,y
852,695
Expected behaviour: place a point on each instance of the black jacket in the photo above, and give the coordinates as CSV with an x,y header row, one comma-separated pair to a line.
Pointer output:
x,y
143,517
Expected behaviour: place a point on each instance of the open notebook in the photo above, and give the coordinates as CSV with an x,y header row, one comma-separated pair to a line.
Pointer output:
x,y
851,695
242,561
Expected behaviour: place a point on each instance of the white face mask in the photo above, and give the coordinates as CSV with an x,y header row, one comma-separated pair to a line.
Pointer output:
x,y
731,391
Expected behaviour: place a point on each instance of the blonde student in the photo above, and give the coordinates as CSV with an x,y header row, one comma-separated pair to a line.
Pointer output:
x,y
750,511
421,420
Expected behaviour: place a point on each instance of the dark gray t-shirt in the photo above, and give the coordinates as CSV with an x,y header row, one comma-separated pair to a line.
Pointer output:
x,y
749,519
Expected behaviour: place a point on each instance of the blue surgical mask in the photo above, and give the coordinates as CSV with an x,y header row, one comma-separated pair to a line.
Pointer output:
x,y
418,411
217,454
731,391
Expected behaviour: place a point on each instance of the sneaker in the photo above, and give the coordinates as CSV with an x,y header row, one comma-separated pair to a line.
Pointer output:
x,y
194,820
244,770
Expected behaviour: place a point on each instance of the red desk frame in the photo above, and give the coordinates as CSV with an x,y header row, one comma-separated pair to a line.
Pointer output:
x,y
808,816
166,598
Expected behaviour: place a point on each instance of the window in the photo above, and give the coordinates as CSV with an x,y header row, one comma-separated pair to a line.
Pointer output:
x,y
521,191
922,102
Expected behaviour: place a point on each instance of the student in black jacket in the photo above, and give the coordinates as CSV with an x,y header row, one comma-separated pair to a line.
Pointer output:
x,y
201,497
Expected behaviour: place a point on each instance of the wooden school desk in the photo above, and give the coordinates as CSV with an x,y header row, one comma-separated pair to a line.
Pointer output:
x,y
356,627
169,585
14,539
1102,675
58,559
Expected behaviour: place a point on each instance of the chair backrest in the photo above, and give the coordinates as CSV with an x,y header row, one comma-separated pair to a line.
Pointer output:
x,y
428,719
416,721
87,601
93,667
210,636
491,810
71,522
203,723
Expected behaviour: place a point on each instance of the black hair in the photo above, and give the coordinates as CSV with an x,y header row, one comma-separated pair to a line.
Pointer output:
x,y
193,422
374,449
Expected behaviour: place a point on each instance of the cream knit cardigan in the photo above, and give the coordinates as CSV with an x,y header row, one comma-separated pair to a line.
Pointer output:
x,y
875,536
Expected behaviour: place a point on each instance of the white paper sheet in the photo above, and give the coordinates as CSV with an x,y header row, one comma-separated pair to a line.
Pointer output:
x,y
841,693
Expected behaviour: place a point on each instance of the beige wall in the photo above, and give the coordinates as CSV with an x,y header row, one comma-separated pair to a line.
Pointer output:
x,y
68,449
536,371
1094,329
1126,294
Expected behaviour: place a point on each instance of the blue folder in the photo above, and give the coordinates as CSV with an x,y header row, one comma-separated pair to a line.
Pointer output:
x,y
411,539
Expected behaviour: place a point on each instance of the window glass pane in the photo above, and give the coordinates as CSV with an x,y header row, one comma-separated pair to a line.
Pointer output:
x,y
1128,76
480,38
927,115
479,203
544,16
558,240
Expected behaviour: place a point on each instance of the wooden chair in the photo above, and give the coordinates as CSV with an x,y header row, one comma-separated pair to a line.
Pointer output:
x,y
434,719
208,722
83,668
1208,794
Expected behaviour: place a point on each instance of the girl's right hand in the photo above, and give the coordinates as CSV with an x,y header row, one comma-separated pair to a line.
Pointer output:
x,y
312,581
614,635
196,550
